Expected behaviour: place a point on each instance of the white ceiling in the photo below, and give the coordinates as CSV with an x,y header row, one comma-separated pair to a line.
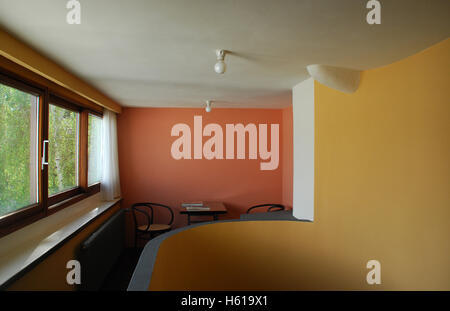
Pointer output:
x,y
161,53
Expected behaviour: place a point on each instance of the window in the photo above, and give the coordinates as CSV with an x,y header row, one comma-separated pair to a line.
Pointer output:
x,y
18,149
94,149
63,150
50,151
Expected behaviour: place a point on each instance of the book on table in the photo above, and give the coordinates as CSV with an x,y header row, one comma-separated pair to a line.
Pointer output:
x,y
197,203
197,208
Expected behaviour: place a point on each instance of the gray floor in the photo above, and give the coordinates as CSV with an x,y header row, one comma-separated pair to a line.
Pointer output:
x,y
120,275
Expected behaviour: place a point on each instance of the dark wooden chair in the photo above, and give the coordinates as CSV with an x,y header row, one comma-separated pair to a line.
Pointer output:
x,y
149,229
270,207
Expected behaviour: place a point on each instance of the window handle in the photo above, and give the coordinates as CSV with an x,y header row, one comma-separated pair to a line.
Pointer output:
x,y
44,153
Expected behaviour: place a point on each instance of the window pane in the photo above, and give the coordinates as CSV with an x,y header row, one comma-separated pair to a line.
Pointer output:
x,y
94,149
63,150
18,149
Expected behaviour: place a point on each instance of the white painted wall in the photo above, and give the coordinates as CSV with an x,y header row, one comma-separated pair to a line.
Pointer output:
x,y
303,127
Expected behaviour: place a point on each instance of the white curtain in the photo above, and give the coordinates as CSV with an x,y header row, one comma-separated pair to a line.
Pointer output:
x,y
110,183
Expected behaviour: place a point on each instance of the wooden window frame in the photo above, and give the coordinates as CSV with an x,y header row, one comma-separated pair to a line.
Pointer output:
x,y
49,205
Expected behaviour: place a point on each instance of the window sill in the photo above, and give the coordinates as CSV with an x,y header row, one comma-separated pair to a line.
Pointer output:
x,y
29,215
24,248
73,199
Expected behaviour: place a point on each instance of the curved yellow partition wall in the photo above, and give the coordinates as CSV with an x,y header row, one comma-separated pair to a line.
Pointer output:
x,y
382,192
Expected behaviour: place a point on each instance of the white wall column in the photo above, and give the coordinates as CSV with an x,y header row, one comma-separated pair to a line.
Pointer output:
x,y
303,140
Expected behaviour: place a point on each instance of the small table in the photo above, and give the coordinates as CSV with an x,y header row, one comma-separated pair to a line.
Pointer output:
x,y
215,209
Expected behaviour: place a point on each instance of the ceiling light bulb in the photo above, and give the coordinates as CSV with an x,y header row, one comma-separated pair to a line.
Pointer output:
x,y
208,106
220,67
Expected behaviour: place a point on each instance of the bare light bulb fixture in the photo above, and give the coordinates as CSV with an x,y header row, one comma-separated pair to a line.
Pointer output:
x,y
220,66
208,106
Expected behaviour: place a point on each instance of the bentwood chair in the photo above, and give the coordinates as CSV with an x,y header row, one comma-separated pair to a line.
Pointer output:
x,y
148,229
270,207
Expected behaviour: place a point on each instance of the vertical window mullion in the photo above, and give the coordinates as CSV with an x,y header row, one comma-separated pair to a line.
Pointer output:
x,y
83,151
44,136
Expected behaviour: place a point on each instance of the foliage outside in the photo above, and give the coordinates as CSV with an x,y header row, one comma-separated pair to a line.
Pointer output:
x,y
16,189
18,149
63,148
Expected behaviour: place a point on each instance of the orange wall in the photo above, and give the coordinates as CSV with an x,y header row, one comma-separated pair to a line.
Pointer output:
x,y
149,173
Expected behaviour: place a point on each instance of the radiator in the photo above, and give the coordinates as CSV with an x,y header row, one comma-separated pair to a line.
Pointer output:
x,y
100,251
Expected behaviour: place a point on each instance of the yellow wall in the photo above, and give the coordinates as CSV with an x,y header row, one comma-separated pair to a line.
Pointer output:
x,y
383,174
382,192
51,273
